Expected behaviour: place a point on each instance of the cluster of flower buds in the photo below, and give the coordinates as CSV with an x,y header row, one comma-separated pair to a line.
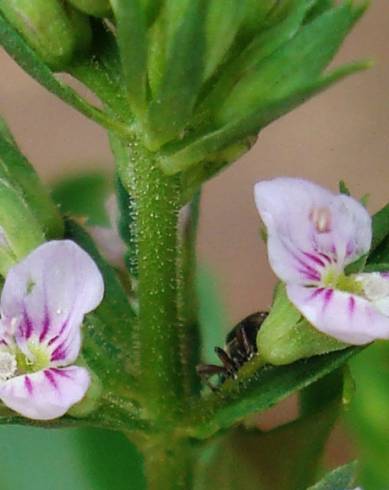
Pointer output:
x,y
57,30
204,77
201,77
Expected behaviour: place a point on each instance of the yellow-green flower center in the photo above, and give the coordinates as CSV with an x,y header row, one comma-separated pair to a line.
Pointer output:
x,y
333,279
38,359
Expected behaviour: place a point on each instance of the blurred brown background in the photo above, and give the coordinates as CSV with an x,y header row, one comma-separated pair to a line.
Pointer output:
x,y
342,134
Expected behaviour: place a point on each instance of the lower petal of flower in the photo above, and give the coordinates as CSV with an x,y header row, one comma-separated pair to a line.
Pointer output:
x,y
342,315
46,394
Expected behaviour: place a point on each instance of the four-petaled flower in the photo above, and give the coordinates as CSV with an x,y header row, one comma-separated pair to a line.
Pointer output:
x,y
313,235
43,303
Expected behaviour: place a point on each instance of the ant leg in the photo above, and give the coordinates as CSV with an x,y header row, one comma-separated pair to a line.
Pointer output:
x,y
228,363
205,371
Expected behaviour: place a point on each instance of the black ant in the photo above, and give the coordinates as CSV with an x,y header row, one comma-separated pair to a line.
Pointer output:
x,y
241,346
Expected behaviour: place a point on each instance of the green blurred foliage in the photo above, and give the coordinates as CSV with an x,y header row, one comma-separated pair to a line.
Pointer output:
x,y
285,458
368,414
84,196
77,459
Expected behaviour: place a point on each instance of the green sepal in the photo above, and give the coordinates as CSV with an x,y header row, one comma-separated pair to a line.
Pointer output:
x,y
131,28
285,336
182,71
98,8
343,478
16,169
343,188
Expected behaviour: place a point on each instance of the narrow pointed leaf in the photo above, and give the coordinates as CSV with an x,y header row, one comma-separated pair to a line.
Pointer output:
x,y
221,30
234,132
172,105
132,39
296,64
258,389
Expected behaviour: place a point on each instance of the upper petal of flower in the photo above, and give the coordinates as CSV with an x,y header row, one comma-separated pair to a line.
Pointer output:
x,y
310,227
46,394
49,292
344,316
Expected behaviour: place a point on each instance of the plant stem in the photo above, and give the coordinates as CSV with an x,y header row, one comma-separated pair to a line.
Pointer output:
x,y
157,199
169,466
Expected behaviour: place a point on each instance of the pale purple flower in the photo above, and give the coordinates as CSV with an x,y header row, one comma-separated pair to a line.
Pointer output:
x,y
313,234
43,303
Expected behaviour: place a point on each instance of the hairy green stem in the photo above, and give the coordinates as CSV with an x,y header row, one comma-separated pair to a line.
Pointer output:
x,y
157,200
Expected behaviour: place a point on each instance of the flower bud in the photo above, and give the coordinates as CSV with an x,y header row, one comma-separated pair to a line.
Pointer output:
x,y
285,336
51,29
97,8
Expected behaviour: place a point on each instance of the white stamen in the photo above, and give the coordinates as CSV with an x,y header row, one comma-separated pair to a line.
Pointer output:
x,y
8,365
59,311
321,218
374,285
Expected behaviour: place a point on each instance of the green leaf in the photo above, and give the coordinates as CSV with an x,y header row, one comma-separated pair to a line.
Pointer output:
x,y
212,314
220,30
367,416
21,175
19,50
132,40
285,458
84,196
99,8
264,44
5,132
208,144
93,458
177,92
259,388
342,478
296,64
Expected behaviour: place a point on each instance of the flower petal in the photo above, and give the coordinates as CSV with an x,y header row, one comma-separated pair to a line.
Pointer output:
x,y
50,291
47,394
310,227
344,316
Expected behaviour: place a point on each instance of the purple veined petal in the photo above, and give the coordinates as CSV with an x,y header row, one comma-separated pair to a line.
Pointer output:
x,y
309,228
47,394
344,316
51,290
